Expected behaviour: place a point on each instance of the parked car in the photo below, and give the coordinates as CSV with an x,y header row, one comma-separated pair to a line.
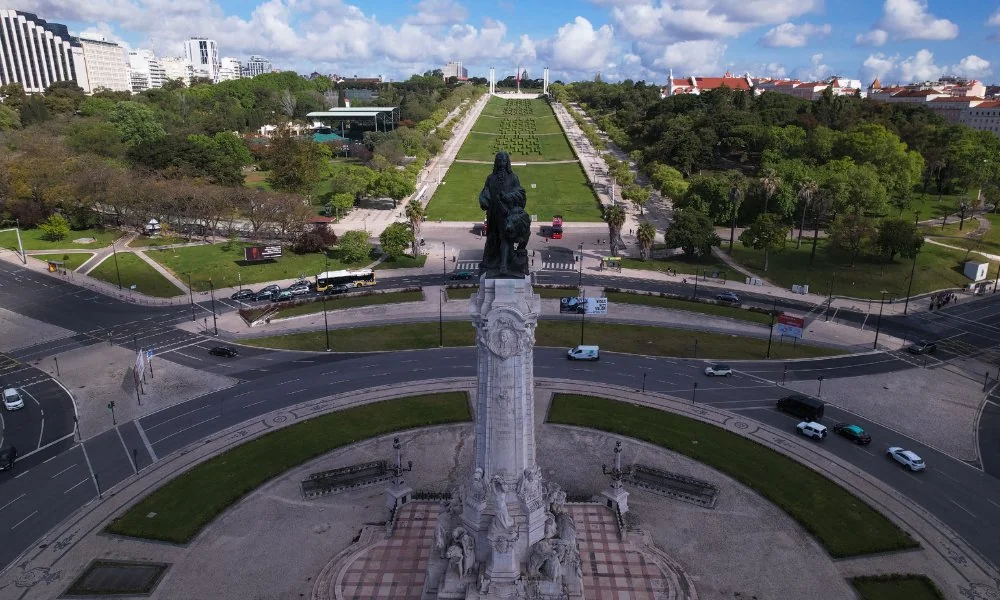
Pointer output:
x,y
339,288
226,351
462,275
7,458
854,433
302,282
728,297
802,406
584,353
271,288
282,296
922,347
244,294
297,290
12,399
264,295
812,429
907,458
719,371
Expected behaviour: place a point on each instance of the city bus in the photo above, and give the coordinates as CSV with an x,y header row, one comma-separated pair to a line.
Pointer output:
x,y
556,232
349,277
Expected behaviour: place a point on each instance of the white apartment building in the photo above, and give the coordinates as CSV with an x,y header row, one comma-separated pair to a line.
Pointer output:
x,y
106,65
455,69
985,116
229,69
176,68
146,70
36,53
257,65
203,56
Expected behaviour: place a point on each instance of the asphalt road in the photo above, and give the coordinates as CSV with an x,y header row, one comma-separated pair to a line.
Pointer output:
x,y
49,485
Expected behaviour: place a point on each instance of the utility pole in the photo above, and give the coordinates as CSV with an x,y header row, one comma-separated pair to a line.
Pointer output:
x,y
878,323
909,286
444,275
829,294
770,334
114,249
191,296
326,324
583,314
215,320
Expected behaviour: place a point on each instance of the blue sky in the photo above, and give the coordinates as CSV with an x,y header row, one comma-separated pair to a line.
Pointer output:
x,y
898,40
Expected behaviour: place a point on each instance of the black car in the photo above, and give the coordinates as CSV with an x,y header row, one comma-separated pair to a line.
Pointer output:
x,y
271,288
245,294
922,347
853,433
264,295
729,297
339,288
226,351
462,275
7,458
282,296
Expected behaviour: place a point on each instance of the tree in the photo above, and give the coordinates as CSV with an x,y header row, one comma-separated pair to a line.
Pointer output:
x,y
637,195
354,246
288,103
692,231
806,192
614,216
415,213
769,184
821,206
852,233
668,180
646,235
395,238
898,236
55,228
737,191
9,118
392,184
136,123
34,110
765,233
296,165
95,137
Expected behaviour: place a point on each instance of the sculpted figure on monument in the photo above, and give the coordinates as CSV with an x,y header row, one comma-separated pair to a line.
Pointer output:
x,y
509,226
477,488
456,501
543,561
501,516
468,551
551,529
441,530
529,488
555,497
456,558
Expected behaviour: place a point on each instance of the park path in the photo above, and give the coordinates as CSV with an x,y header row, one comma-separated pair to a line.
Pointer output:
x,y
102,254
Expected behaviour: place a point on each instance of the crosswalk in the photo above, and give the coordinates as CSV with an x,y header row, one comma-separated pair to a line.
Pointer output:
x,y
546,265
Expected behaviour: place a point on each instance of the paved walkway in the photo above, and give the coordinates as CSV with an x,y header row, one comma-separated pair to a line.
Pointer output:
x,y
62,554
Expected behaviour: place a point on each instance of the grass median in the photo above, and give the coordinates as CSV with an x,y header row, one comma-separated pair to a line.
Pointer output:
x,y
690,305
134,270
70,261
896,587
342,302
34,239
189,502
565,333
843,524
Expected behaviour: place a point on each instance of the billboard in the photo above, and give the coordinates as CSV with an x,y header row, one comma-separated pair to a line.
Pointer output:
x,y
255,253
789,326
588,306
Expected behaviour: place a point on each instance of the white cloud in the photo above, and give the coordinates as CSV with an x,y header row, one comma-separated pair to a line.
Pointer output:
x,y
578,47
875,37
972,67
438,12
994,20
920,67
772,69
815,71
696,57
908,20
789,35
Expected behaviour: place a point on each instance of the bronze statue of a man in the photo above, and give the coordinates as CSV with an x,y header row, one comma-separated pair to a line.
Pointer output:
x,y
508,225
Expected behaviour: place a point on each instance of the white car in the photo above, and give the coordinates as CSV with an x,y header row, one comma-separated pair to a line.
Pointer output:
x,y
812,429
12,399
719,371
907,458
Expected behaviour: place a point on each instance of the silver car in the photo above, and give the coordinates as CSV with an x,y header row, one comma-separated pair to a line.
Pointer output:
x,y
907,458
12,399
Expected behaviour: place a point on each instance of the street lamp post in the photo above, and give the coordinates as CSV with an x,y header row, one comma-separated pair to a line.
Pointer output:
x,y
770,334
819,393
909,286
583,313
114,249
829,294
215,320
878,323
444,275
326,324
191,296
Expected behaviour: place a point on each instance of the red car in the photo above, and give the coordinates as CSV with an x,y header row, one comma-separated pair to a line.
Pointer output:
x,y
556,232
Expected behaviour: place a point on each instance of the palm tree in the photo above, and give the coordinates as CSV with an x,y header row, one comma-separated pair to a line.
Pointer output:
x,y
737,189
646,235
806,193
415,213
769,183
822,203
614,216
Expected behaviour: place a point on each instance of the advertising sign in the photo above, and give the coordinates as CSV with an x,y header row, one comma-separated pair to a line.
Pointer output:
x,y
257,253
790,326
597,306
589,306
140,365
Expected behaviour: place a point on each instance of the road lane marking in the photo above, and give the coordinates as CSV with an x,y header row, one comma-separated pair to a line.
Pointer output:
x,y
63,471
256,403
945,474
969,512
297,391
11,502
135,467
47,459
178,416
180,431
33,513
82,481
145,440
243,394
41,432
993,503
21,474
289,381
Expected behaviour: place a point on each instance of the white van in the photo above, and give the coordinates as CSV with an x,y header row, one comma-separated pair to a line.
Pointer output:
x,y
584,353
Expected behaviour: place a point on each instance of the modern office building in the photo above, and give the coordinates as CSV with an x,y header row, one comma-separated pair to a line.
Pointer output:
x,y
203,56
107,67
455,69
176,68
229,69
146,70
257,65
36,53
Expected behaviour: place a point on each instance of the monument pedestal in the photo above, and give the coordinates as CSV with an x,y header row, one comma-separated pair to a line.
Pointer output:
x,y
616,498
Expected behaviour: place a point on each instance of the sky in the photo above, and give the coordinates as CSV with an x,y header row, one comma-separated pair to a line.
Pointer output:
x,y
896,40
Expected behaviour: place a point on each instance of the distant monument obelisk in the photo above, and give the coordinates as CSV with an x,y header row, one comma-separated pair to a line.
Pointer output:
x,y
505,532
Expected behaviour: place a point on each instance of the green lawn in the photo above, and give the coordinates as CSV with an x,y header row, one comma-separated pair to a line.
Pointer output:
x,y
189,502
133,269
480,146
543,125
463,293
33,239
841,522
612,337
937,268
495,107
930,206
221,265
896,587
342,302
71,261
689,305
951,235
145,241
526,126
681,264
560,189
403,262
